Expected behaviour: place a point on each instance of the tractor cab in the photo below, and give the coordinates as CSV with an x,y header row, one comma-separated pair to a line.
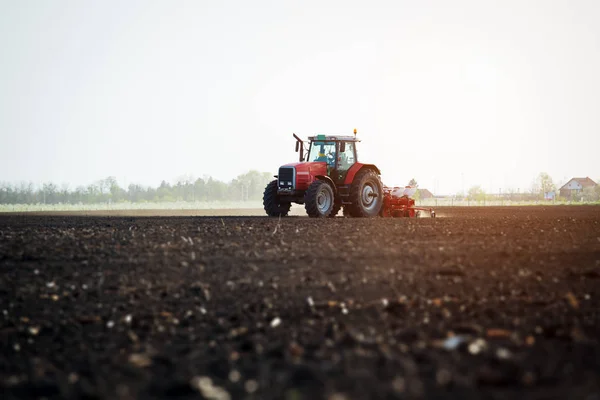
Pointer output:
x,y
338,152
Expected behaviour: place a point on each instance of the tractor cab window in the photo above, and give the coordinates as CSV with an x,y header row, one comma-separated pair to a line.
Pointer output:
x,y
322,151
346,157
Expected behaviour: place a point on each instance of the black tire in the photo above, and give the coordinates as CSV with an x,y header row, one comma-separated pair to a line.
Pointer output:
x,y
272,202
366,194
337,206
319,199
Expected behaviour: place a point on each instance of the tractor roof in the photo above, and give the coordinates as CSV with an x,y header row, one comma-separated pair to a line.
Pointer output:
x,y
333,138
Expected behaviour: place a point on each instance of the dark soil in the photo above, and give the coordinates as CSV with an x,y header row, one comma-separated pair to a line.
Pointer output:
x,y
479,303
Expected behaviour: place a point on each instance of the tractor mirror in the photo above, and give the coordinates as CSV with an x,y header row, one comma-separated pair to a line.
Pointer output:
x,y
299,146
343,147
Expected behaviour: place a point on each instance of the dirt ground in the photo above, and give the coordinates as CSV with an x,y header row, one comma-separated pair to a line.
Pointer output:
x,y
480,303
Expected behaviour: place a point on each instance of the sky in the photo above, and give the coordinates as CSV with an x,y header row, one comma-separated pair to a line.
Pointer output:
x,y
453,94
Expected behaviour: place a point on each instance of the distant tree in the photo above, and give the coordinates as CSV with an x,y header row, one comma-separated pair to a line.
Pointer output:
x,y
216,190
179,191
49,191
64,195
476,193
7,196
544,184
250,186
150,194
79,196
103,186
184,189
26,193
413,183
591,193
199,190
112,189
135,193
164,192
93,193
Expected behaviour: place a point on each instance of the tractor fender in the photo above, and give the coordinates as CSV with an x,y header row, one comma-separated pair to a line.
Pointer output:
x,y
327,179
358,167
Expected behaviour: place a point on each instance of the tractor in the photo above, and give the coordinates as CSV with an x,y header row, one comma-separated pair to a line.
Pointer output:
x,y
327,178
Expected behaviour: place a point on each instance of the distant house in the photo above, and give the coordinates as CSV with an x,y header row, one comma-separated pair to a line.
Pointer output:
x,y
425,194
575,186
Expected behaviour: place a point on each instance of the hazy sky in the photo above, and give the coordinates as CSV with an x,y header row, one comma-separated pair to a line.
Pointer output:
x,y
452,93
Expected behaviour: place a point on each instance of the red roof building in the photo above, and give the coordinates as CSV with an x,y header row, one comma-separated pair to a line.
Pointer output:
x,y
575,186
425,194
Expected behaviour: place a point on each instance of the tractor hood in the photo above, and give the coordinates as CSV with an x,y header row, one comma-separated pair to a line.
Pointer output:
x,y
313,168
305,173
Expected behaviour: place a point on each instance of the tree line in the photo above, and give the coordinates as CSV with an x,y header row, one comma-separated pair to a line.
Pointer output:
x,y
245,187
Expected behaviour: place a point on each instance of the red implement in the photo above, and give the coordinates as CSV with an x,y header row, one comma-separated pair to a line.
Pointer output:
x,y
397,203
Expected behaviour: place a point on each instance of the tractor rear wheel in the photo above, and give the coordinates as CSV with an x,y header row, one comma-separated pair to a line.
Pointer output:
x,y
272,202
319,199
366,194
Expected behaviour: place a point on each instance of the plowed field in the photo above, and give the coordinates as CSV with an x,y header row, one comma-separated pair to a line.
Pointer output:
x,y
477,303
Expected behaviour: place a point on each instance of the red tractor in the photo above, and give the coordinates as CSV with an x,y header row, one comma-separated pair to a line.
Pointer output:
x,y
329,177
326,178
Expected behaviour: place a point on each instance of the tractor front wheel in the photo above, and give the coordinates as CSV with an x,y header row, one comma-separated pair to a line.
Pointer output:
x,y
272,202
366,194
319,199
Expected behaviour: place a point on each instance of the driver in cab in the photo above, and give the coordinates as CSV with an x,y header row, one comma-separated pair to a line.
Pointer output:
x,y
329,158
